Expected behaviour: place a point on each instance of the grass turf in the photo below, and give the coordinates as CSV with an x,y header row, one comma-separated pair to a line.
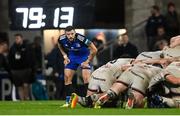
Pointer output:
x,y
53,108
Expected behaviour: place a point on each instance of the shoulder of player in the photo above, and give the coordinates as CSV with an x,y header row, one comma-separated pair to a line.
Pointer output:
x,y
80,37
62,37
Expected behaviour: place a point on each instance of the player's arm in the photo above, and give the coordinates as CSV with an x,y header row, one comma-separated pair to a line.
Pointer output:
x,y
66,59
172,79
125,67
163,61
175,41
93,51
164,76
92,48
148,61
175,59
61,50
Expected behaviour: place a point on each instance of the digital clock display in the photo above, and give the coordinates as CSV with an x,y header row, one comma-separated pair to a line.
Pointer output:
x,y
50,14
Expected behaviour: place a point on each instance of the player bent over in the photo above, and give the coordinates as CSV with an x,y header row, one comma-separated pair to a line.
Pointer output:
x,y
80,52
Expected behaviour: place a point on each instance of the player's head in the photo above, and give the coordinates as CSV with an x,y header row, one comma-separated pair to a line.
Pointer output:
x,y
18,38
70,32
123,39
155,10
171,7
3,45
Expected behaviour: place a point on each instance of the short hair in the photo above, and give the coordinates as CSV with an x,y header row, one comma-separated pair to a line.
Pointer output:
x,y
18,34
120,35
155,7
69,28
171,4
161,27
2,41
125,34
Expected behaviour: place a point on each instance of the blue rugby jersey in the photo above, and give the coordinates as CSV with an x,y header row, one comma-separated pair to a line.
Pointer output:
x,y
76,48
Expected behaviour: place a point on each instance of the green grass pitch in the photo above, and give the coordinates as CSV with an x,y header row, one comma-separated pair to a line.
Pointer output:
x,y
53,108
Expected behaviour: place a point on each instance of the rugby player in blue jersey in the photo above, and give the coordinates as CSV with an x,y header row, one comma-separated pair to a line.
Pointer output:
x,y
79,52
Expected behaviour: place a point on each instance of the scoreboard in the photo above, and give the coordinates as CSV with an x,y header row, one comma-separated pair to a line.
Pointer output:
x,y
50,14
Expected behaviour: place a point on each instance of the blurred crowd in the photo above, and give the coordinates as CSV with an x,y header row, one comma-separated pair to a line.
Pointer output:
x,y
161,27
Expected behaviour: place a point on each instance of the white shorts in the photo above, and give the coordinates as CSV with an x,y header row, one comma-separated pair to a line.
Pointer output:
x,y
136,80
100,82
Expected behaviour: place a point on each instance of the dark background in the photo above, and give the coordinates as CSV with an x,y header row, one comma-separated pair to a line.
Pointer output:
x,y
109,13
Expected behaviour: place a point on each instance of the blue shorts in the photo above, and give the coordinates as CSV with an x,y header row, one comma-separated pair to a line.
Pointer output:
x,y
75,62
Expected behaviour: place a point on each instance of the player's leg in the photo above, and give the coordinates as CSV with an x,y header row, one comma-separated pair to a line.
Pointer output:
x,y
121,85
96,88
135,99
139,99
83,101
169,102
157,101
26,82
94,91
136,95
86,73
17,80
173,102
21,92
26,91
139,86
112,93
68,75
86,101
92,95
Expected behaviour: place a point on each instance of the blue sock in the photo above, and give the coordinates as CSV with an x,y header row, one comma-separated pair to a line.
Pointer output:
x,y
67,99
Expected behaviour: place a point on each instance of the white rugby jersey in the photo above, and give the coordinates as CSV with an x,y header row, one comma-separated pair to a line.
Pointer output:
x,y
174,69
172,52
113,68
148,70
149,55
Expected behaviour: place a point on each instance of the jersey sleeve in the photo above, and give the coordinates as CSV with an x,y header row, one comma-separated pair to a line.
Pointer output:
x,y
61,38
83,39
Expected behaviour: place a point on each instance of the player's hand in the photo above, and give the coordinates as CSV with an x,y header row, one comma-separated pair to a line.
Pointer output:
x,y
66,60
166,47
85,64
137,62
164,62
125,67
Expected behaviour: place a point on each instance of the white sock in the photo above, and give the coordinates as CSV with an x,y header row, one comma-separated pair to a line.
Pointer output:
x,y
169,101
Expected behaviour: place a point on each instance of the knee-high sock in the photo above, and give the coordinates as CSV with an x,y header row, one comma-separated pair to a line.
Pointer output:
x,y
69,90
85,88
